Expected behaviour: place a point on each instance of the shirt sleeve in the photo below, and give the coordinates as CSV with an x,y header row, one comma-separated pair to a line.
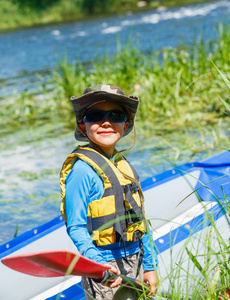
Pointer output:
x,y
83,185
150,260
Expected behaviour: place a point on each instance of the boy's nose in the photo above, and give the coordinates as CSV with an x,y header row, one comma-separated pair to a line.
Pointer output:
x,y
105,120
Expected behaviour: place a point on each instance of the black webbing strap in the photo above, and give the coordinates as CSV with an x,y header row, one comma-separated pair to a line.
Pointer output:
x,y
119,217
96,222
92,288
133,215
136,210
140,261
132,188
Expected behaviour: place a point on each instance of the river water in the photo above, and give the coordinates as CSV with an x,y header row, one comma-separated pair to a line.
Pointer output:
x,y
29,192
26,52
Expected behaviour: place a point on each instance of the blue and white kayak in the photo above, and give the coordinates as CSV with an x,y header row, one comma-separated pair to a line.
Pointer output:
x,y
184,206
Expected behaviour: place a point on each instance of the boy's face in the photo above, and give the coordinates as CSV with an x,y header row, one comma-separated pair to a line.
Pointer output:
x,y
105,134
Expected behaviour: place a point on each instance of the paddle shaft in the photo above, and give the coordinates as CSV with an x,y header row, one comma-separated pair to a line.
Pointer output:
x,y
126,281
130,282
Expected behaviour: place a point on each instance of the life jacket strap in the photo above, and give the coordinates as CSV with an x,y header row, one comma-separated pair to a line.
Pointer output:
x,y
122,217
136,211
120,226
133,187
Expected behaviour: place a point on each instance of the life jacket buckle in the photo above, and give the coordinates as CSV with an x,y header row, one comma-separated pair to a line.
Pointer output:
x,y
137,235
131,217
133,187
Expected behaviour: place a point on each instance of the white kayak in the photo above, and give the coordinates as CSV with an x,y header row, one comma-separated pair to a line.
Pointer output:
x,y
188,208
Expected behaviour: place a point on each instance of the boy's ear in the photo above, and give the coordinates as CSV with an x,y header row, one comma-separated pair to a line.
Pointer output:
x,y
126,125
81,128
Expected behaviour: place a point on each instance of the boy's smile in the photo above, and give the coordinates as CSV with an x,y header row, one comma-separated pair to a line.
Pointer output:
x,y
105,134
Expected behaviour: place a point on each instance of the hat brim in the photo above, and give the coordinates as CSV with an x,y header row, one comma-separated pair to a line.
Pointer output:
x,y
84,102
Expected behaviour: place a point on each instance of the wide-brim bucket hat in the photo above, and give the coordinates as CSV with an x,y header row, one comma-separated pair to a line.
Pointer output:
x,y
103,93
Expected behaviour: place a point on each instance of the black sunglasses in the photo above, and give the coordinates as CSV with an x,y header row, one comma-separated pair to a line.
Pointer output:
x,y
96,116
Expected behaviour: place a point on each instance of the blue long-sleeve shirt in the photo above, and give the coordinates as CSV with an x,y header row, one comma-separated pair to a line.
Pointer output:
x,y
83,186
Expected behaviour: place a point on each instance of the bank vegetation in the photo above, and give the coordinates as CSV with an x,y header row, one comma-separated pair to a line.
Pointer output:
x,y
180,89
15,14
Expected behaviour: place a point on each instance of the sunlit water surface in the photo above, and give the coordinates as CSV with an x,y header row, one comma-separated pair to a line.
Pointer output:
x,y
30,192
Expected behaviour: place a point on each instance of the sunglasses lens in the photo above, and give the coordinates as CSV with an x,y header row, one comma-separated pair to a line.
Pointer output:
x,y
117,116
95,116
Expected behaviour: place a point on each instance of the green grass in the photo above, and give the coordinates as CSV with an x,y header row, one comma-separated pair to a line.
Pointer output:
x,y
179,89
201,269
175,86
15,14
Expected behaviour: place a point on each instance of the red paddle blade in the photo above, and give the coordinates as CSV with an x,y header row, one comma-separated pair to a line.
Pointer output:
x,y
54,264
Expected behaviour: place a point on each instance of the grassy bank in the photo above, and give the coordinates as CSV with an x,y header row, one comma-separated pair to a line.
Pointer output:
x,y
179,90
15,14
176,86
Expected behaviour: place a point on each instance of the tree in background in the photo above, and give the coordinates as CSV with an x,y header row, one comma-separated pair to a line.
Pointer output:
x,y
92,6
37,4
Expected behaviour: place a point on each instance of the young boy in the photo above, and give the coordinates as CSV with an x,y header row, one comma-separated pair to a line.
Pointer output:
x,y
102,201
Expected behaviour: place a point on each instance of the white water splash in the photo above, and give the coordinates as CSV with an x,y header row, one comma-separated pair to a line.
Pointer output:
x,y
55,32
112,29
166,15
77,34
183,12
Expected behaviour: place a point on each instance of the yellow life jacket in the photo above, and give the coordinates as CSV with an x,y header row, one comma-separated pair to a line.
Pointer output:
x,y
117,215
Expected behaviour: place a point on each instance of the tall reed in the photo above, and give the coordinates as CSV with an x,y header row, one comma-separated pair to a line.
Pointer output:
x,y
177,87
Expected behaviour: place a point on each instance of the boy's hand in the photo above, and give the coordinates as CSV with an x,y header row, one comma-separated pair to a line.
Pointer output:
x,y
116,281
151,278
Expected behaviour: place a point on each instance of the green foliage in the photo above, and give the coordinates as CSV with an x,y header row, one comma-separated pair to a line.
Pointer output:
x,y
35,4
176,87
90,7
227,82
26,13
69,78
